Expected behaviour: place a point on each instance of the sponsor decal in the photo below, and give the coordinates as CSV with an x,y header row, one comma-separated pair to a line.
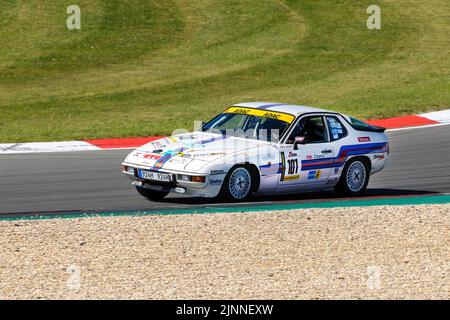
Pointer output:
x,y
336,128
241,111
158,145
151,156
185,154
262,113
293,177
215,181
216,172
316,156
272,115
315,174
318,173
292,154
364,139
208,154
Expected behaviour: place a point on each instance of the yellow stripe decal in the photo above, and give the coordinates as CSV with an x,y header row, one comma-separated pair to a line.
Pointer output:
x,y
262,113
294,177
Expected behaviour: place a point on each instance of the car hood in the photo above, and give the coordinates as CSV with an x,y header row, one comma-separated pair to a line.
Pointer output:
x,y
189,152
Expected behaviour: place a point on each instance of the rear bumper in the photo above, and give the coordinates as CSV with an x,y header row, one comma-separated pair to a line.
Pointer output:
x,y
379,162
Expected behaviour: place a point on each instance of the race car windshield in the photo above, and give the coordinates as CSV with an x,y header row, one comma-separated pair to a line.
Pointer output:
x,y
247,126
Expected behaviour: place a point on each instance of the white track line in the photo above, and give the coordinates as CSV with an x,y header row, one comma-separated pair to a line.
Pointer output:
x,y
420,127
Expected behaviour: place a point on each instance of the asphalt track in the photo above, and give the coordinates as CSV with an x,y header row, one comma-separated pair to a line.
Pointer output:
x,y
88,181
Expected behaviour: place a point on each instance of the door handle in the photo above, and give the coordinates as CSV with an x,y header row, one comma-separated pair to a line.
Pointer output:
x,y
327,151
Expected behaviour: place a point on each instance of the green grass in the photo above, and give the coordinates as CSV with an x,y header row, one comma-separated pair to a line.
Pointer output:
x,y
140,68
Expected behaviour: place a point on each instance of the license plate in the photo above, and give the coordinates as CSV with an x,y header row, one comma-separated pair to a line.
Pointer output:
x,y
150,175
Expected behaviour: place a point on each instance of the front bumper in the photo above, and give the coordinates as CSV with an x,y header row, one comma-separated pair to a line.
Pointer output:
x,y
186,188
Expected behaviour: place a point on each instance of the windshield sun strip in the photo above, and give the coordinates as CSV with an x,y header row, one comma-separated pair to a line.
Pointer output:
x,y
289,118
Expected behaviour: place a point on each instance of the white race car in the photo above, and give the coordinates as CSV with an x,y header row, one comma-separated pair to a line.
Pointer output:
x,y
261,148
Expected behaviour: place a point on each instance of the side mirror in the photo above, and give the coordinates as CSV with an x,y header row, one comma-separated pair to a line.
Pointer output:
x,y
299,140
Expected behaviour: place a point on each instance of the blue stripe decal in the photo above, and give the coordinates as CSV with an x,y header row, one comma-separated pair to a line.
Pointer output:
x,y
271,105
202,142
169,154
269,169
166,157
344,153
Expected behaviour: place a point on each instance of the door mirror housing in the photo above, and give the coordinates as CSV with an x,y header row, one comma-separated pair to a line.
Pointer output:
x,y
299,140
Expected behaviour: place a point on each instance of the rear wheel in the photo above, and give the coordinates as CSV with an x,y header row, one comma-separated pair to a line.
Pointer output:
x,y
354,178
238,184
151,194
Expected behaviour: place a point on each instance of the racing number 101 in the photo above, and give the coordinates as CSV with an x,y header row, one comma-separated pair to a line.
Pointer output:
x,y
292,166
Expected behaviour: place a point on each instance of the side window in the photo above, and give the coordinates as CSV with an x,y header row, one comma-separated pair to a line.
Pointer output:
x,y
337,129
312,128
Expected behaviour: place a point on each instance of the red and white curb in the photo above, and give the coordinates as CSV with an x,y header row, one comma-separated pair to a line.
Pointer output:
x,y
64,146
424,119
405,122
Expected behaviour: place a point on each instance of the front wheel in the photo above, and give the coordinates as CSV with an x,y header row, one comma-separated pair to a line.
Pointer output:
x,y
354,178
151,194
238,184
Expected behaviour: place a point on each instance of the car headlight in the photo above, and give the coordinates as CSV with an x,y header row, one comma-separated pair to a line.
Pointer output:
x,y
183,177
128,169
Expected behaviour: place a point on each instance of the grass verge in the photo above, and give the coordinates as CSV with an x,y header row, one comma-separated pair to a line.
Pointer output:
x,y
140,68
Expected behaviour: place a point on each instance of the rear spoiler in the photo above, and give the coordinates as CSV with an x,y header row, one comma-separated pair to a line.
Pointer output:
x,y
365,126
372,129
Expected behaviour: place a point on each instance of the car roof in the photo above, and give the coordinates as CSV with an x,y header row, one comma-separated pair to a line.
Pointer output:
x,y
281,107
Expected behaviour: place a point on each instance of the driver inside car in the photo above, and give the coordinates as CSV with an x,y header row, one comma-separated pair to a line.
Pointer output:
x,y
310,129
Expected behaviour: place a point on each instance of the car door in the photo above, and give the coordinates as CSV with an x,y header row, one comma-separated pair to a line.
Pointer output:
x,y
306,165
339,138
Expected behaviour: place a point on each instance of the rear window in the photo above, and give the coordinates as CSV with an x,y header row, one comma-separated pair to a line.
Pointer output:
x,y
362,126
359,124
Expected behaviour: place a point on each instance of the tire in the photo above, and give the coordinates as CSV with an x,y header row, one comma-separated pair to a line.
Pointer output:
x,y
355,177
239,184
151,194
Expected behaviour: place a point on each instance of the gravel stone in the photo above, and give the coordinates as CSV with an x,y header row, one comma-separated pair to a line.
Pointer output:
x,y
380,252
